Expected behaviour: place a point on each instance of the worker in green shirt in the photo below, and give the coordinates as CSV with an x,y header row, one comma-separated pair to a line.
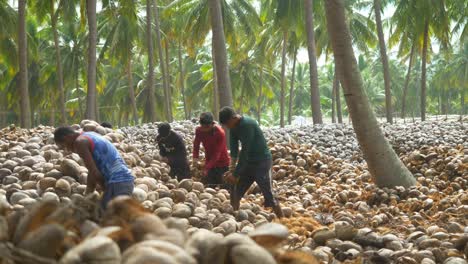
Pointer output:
x,y
252,164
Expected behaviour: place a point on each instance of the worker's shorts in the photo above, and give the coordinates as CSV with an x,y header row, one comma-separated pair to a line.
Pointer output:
x,y
256,171
115,189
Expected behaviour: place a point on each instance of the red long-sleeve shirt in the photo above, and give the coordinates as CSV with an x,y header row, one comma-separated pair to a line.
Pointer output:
x,y
214,142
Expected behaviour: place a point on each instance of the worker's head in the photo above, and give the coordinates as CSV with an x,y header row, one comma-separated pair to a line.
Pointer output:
x,y
164,129
228,117
106,124
206,122
65,136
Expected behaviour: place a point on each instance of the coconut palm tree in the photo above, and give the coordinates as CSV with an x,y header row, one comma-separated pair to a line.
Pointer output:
x,y
162,64
23,66
91,98
124,28
240,21
384,165
383,55
314,85
65,9
432,22
362,35
150,80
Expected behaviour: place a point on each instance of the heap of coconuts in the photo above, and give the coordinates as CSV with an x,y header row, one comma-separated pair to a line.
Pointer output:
x,y
333,210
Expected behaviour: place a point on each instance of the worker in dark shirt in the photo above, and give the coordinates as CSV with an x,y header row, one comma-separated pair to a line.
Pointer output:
x,y
213,139
172,149
252,164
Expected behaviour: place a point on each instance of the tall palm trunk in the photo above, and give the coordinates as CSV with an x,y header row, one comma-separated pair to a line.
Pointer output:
x,y
339,114
23,66
167,103
291,89
131,89
335,87
215,82
91,101
80,99
150,81
283,77
408,77
384,165
423,71
168,74
384,58
314,83
260,95
182,80
58,61
219,44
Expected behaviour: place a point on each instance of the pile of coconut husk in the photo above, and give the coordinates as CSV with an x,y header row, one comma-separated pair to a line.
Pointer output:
x,y
333,210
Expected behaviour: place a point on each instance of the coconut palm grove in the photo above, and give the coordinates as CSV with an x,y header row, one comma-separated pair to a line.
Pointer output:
x,y
233,131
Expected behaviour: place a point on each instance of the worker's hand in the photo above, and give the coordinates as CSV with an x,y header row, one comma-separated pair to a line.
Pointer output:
x,y
194,162
89,191
232,165
230,178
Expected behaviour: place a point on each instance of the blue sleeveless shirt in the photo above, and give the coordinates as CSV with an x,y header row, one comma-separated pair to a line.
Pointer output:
x,y
108,160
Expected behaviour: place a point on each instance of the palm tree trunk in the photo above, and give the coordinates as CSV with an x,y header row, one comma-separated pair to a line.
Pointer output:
x,y
91,103
384,58
131,89
291,90
283,77
215,83
219,44
382,161
52,117
423,71
339,114
335,87
182,80
168,73
23,66
260,94
150,81
167,102
63,114
462,101
314,83
408,76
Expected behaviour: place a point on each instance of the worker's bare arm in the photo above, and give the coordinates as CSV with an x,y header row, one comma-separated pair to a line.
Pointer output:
x,y
83,148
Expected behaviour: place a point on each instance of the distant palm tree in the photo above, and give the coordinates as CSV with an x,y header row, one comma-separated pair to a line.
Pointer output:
x,y
124,27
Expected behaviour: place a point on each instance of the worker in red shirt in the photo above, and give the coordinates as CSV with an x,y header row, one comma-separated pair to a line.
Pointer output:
x,y
216,155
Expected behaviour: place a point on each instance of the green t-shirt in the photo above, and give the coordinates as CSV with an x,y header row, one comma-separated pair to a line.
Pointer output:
x,y
254,145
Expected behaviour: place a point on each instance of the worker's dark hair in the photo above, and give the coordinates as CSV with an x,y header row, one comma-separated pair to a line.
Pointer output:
x,y
61,132
106,124
206,118
164,129
226,114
